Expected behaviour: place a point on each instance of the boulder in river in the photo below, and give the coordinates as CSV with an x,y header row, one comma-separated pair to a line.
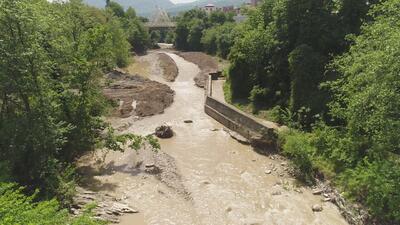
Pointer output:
x,y
164,131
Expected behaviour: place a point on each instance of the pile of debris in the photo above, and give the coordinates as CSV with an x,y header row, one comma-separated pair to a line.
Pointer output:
x,y
109,208
136,95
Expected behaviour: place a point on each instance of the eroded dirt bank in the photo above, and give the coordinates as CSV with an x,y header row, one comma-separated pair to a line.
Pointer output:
x,y
203,176
206,64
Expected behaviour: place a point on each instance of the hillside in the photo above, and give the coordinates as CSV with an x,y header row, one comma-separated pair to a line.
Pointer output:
x,y
200,3
142,7
146,7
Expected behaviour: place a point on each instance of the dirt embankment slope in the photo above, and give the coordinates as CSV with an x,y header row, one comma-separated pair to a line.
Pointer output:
x,y
168,66
206,63
137,96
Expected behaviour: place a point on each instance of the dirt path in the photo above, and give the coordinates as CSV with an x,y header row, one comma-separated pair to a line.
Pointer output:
x,y
224,182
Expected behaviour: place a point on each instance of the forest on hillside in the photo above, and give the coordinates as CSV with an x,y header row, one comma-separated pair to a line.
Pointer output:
x,y
330,71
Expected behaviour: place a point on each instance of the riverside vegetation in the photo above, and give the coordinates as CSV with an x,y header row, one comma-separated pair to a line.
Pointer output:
x,y
52,60
330,71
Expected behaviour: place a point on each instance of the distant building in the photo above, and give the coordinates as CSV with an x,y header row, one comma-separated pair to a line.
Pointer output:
x,y
227,9
209,8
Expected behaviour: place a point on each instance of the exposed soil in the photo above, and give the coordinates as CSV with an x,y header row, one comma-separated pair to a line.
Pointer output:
x,y
206,63
170,70
137,96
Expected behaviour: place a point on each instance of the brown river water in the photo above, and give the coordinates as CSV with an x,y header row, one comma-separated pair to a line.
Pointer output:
x,y
225,180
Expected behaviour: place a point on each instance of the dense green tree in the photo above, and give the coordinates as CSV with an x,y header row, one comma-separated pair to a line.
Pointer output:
x,y
130,13
116,8
361,152
219,39
138,35
209,40
155,37
52,57
192,25
306,67
292,25
182,33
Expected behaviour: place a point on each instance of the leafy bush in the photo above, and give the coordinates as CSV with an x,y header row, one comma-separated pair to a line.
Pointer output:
x,y
376,184
17,208
257,96
298,147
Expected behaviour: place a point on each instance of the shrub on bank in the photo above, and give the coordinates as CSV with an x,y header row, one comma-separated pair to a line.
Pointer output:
x,y
17,208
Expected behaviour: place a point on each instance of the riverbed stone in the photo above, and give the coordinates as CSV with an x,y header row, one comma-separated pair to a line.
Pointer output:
x,y
317,208
317,192
164,131
268,171
276,192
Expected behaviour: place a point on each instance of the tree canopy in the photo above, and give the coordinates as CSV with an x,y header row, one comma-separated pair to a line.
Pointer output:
x,y
52,60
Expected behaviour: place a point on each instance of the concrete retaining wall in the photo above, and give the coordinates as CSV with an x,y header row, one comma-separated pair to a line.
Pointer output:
x,y
261,134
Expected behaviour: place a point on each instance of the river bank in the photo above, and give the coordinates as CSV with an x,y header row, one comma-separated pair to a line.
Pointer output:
x,y
205,176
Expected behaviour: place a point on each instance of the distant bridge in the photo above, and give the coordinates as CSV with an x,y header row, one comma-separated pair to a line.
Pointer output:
x,y
160,21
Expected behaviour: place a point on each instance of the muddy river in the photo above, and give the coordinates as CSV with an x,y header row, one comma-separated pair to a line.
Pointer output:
x,y
224,182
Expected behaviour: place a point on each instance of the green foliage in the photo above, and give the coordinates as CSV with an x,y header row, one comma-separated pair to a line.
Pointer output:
x,y
306,67
17,208
376,184
298,147
192,27
138,35
130,13
120,43
117,142
257,95
155,37
284,47
365,95
251,69
169,37
116,9
361,153
52,60
366,104
219,39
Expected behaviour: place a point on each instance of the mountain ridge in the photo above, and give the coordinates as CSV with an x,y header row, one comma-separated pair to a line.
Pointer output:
x,y
147,7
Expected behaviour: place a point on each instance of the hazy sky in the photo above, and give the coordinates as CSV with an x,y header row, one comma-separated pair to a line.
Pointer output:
x,y
174,1
182,1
